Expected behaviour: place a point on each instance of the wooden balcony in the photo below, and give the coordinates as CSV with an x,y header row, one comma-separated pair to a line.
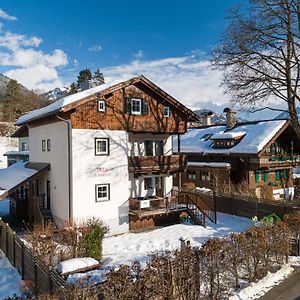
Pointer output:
x,y
157,164
269,161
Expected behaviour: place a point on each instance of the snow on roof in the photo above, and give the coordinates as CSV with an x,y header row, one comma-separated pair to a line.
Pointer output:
x,y
257,135
209,164
59,104
227,135
14,175
16,153
296,172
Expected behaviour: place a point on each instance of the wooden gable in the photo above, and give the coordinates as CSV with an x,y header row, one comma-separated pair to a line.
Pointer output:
x,y
117,117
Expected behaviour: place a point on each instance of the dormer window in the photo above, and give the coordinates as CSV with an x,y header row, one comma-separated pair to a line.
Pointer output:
x,y
166,111
101,105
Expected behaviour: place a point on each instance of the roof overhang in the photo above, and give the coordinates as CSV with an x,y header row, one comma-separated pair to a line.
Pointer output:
x,y
19,174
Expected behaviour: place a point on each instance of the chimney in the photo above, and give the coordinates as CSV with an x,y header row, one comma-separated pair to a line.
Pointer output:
x,y
206,120
231,119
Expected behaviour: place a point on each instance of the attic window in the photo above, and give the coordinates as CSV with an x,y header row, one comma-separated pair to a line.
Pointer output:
x,y
101,105
136,106
166,111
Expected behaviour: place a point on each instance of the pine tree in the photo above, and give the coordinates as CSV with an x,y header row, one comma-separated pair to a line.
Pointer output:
x,y
98,75
84,75
73,88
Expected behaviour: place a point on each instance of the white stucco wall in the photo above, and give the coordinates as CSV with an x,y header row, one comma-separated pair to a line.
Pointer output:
x,y
90,170
58,159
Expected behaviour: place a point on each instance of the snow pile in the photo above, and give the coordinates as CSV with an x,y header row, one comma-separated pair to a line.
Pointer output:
x,y
9,278
257,289
256,137
6,144
76,264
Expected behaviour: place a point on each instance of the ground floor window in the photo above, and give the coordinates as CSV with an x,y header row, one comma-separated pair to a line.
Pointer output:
x,y
205,175
191,175
102,192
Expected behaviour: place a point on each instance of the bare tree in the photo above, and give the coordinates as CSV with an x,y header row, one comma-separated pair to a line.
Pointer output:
x,y
260,52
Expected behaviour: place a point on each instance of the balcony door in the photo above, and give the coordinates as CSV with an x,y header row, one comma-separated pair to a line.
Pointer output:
x,y
154,148
159,186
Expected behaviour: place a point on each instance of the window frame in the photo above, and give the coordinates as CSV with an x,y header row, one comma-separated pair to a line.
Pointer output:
x,y
168,114
48,145
43,145
24,146
148,186
101,101
138,113
107,146
102,199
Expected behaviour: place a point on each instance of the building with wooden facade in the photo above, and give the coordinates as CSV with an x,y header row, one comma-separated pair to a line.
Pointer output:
x,y
259,156
106,152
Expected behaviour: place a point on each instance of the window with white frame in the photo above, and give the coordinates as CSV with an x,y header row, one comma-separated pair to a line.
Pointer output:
x,y
102,192
101,105
166,111
24,146
136,106
101,146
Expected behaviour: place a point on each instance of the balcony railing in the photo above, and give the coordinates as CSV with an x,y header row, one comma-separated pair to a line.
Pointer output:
x,y
274,160
161,164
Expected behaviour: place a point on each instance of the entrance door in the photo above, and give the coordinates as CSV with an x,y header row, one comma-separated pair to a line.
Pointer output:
x,y
159,186
48,194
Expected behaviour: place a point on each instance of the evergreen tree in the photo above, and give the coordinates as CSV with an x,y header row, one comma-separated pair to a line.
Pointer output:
x,y
98,75
73,88
84,75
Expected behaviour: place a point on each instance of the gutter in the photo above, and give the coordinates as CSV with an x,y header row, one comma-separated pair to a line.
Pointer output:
x,y
69,168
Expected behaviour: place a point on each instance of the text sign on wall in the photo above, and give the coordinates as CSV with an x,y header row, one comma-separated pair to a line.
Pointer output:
x,y
145,204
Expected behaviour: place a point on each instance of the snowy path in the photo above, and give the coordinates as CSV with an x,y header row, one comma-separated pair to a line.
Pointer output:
x,y
9,278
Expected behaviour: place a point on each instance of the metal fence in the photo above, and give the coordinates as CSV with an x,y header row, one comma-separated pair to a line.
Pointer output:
x,y
46,280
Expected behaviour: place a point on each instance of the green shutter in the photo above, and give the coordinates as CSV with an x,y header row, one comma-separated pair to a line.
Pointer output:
x,y
266,176
285,173
257,177
144,107
277,174
128,105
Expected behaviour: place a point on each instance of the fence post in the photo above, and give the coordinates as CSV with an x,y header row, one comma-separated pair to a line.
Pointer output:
x,y
50,281
14,249
35,276
6,240
215,206
22,262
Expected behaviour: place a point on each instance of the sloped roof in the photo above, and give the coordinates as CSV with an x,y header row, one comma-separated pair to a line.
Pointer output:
x,y
16,174
66,103
256,137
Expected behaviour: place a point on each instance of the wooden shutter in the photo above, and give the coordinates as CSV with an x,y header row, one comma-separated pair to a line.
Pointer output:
x,y
128,105
145,108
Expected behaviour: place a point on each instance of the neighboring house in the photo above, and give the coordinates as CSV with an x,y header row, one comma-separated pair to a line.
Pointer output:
x,y
93,152
22,154
258,156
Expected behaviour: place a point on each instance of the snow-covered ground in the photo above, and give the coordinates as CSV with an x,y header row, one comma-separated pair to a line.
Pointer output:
x,y
6,144
126,248
9,278
129,247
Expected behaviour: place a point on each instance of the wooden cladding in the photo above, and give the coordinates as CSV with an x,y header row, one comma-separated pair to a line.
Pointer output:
x,y
161,164
116,116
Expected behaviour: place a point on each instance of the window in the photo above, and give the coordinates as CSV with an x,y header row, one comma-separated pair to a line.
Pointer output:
x,y
149,148
101,105
205,175
24,146
136,106
101,146
166,111
191,175
159,148
102,192
148,183
48,145
43,145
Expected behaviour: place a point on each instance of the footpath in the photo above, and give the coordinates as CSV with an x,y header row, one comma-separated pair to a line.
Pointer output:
x,y
289,289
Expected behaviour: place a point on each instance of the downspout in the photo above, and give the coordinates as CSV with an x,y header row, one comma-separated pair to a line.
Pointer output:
x,y
69,168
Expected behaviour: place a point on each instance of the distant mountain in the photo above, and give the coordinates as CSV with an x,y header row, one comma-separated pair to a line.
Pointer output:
x,y
4,80
285,115
56,93
216,118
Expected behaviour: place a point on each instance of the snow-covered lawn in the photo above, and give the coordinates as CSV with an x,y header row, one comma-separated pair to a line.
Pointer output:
x,y
9,278
126,248
6,144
